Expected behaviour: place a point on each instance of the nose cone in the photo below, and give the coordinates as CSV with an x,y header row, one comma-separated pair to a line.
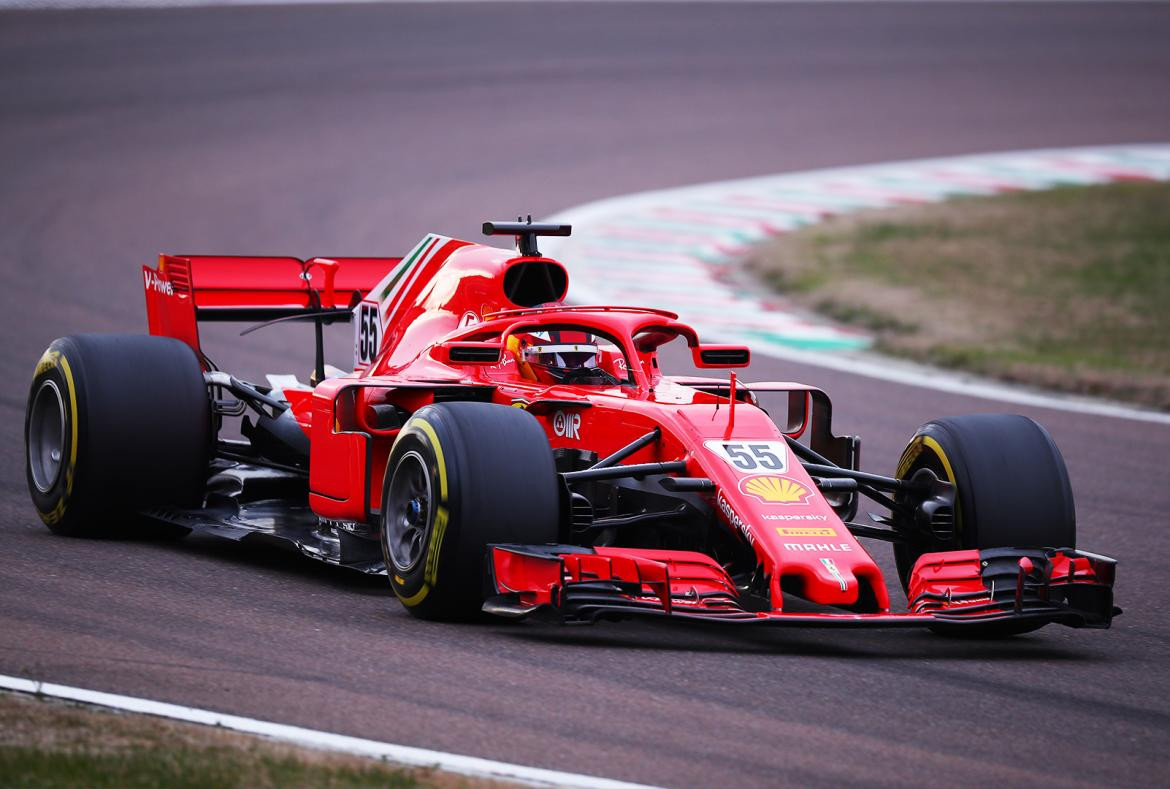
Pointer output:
x,y
768,498
837,579
843,577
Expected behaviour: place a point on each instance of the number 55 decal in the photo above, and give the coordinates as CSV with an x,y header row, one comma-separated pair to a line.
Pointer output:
x,y
366,334
751,457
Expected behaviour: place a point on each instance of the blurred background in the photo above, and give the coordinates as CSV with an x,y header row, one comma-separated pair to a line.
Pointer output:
x,y
354,130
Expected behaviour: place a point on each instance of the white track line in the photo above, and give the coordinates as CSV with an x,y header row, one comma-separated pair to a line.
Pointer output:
x,y
746,211
400,754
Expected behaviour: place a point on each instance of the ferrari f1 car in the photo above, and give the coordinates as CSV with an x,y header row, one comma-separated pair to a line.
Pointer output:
x,y
498,450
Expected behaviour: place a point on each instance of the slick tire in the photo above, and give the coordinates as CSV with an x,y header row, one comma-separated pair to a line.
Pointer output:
x,y
1012,490
460,477
114,424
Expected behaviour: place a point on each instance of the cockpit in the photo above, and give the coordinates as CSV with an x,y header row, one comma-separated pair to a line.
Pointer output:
x,y
568,354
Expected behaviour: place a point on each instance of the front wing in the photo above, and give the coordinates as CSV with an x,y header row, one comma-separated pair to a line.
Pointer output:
x,y
955,588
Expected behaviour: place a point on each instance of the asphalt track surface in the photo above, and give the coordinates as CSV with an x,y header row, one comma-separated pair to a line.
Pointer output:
x,y
353,130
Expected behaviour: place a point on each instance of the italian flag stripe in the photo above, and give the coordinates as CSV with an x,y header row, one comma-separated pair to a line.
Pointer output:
x,y
405,266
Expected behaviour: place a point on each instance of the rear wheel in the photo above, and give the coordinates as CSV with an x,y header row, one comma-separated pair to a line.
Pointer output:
x,y
460,477
114,423
1012,488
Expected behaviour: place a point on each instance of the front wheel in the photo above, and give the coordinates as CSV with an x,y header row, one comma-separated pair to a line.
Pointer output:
x,y
1011,484
460,477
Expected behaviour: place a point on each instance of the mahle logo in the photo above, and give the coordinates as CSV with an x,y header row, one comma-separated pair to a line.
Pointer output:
x,y
776,490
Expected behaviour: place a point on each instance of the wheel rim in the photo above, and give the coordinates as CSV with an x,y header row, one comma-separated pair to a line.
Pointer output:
x,y
409,512
46,436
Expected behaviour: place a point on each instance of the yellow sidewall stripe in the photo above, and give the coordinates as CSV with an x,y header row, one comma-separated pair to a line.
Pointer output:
x,y
938,450
48,361
429,431
415,598
912,452
442,516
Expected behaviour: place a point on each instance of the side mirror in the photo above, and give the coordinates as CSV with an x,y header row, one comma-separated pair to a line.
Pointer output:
x,y
485,353
721,355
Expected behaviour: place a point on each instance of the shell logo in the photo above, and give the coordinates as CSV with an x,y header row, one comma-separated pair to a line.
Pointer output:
x,y
776,490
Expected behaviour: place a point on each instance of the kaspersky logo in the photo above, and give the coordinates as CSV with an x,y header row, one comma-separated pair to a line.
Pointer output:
x,y
773,489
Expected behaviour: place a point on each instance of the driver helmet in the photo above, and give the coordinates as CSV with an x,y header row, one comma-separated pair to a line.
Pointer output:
x,y
559,359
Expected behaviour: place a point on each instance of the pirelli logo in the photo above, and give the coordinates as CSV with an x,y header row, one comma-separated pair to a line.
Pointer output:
x,y
806,531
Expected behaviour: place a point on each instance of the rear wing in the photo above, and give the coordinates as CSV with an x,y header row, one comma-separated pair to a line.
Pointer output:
x,y
185,290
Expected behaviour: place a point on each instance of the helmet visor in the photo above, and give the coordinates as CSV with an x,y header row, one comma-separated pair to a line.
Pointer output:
x,y
563,356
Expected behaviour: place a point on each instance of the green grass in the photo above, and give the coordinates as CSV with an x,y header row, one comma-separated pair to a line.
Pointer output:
x,y
44,743
864,317
1067,289
183,768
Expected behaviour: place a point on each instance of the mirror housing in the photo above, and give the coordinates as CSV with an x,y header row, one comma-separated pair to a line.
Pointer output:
x,y
466,352
721,355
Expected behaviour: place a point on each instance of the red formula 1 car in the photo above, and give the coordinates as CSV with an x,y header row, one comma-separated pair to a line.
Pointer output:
x,y
496,449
